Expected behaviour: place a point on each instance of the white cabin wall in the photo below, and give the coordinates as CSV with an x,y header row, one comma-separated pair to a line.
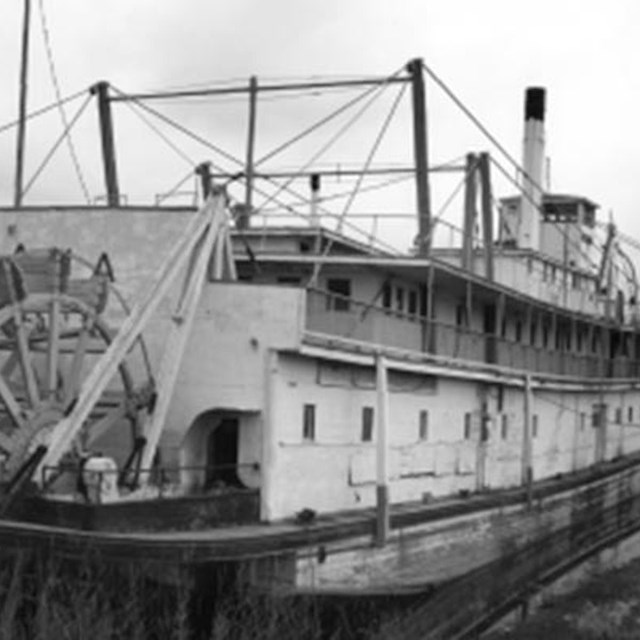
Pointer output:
x,y
337,470
223,363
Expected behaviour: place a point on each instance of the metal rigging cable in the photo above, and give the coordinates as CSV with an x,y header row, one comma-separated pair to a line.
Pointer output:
x,y
58,142
135,109
324,120
376,93
355,190
63,114
43,110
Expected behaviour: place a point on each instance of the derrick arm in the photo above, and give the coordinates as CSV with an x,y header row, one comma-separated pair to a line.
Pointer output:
x,y
206,230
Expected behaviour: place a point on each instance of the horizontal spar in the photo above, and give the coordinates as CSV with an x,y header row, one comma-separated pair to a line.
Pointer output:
x,y
220,91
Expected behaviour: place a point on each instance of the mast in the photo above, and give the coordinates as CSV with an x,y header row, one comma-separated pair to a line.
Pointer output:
x,y
22,107
101,89
423,241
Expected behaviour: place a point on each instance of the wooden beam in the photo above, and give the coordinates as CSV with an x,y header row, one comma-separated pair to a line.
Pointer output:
x,y
487,215
22,107
53,346
12,405
101,90
99,377
420,152
470,212
268,88
203,171
430,311
179,334
251,142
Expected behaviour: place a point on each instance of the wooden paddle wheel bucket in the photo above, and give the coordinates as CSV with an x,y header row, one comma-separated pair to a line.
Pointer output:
x,y
53,329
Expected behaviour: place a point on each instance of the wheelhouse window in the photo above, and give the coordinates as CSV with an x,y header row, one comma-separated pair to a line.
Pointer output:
x,y
309,422
340,292
367,424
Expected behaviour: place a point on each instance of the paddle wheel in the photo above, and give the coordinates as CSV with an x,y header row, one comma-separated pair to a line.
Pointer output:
x,y
73,366
54,327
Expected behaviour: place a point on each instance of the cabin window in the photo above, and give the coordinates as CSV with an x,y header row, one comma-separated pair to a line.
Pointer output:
x,y
462,315
575,280
630,414
545,335
309,422
340,288
552,274
518,330
424,425
598,415
413,302
367,424
500,398
504,427
386,295
544,271
595,340
400,299
619,415
533,330
534,426
467,426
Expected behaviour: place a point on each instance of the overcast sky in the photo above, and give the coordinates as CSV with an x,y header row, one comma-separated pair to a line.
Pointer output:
x,y
586,52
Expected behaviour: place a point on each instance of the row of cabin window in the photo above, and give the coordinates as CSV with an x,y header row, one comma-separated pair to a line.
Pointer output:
x,y
367,418
394,298
549,272
563,338
367,423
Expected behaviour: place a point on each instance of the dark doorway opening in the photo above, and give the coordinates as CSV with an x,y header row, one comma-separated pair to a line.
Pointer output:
x,y
222,455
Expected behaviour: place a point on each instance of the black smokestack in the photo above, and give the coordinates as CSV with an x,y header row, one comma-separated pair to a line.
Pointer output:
x,y
534,104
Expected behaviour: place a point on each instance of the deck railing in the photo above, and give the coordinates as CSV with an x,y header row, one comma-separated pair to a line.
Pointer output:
x,y
92,485
334,314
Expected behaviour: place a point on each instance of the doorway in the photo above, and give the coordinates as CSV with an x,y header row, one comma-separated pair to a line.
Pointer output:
x,y
222,455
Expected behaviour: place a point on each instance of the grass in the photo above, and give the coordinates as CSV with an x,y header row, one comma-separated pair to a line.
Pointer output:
x,y
45,598
605,608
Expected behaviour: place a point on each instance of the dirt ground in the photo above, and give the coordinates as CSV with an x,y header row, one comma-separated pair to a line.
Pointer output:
x,y
605,608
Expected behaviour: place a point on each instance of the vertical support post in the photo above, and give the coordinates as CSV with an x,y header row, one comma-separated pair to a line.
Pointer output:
x,y
203,171
429,312
415,69
470,212
487,217
101,90
269,437
527,445
22,107
251,139
382,462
